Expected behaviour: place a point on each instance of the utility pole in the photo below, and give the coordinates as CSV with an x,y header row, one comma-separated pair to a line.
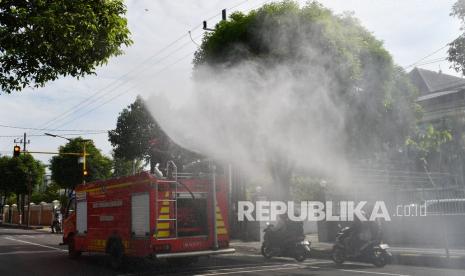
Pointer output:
x,y
223,18
25,142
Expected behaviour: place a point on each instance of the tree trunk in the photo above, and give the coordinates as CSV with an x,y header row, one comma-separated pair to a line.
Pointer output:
x,y
281,185
281,172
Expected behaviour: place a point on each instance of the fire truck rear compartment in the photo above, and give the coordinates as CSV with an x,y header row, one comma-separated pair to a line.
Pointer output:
x,y
192,217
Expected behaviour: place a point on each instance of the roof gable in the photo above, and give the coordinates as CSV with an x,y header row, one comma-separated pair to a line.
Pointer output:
x,y
429,81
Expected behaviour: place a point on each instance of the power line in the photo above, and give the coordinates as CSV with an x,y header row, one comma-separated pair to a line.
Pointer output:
x,y
193,41
135,68
69,112
122,93
65,134
431,61
48,129
425,57
131,87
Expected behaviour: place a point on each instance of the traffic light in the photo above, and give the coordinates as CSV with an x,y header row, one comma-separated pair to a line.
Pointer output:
x,y
16,151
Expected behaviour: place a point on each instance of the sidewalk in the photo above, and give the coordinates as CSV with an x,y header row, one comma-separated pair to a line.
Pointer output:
x,y
434,257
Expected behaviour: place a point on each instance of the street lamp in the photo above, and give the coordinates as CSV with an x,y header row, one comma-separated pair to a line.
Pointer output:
x,y
54,135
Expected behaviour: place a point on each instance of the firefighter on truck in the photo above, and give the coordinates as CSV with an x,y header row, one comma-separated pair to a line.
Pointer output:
x,y
181,217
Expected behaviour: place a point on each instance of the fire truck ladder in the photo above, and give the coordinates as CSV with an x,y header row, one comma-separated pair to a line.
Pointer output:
x,y
169,205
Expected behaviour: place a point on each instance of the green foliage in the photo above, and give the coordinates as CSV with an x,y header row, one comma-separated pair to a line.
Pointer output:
x,y
457,47
50,194
5,186
122,167
307,188
42,40
428,140
138,136
67,172
136,133
17,173
376,97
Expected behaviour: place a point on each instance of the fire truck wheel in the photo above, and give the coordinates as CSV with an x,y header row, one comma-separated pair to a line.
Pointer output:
x,y
72,252
115,251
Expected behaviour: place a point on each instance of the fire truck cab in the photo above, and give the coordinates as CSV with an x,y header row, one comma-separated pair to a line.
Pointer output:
x,y
182,216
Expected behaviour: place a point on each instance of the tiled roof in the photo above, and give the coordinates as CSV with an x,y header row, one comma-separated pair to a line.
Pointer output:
x,y
429,81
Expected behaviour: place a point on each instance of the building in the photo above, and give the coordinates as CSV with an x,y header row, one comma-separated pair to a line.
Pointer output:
x,y
442,96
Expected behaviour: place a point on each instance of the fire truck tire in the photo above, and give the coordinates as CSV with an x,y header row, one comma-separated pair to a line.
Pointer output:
x,y
115,251
72,252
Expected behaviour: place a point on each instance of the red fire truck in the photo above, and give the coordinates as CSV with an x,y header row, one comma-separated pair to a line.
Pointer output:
x,y
182,216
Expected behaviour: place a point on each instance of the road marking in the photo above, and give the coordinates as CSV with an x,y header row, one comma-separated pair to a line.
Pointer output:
x,y
315,262
36,244
28,252
227,269
268,268
372,272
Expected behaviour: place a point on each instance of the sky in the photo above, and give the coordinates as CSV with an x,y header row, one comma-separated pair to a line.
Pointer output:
x,y
160,60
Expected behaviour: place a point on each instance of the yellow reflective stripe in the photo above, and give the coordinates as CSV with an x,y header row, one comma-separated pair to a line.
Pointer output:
x,y
116,186
164,216
163,234
163,225
165,210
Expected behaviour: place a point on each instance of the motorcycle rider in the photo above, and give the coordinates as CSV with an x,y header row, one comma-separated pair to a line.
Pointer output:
x,y
286,230
353,241
361,233
56,223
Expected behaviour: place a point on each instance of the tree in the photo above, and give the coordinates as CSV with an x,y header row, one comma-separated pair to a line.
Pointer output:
x,y
51,193
42,40
138,136
122,167
457,47
326,57
20,175
5,185
67,172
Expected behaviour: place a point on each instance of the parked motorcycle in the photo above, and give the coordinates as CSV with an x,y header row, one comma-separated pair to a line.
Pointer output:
x,y
298,248
373,251
56,224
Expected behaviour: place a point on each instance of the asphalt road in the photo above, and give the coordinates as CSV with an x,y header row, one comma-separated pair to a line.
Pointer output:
x,y
27,252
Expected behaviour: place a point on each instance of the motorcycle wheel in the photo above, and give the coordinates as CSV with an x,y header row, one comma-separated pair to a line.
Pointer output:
x,y
267,251
300,254
338,255
379,258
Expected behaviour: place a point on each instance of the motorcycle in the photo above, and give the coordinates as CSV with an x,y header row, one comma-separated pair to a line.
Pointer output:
x,y
56,225
299,248
373,251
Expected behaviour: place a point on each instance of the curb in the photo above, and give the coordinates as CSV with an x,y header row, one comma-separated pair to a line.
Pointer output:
x,y
16,226
454,262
